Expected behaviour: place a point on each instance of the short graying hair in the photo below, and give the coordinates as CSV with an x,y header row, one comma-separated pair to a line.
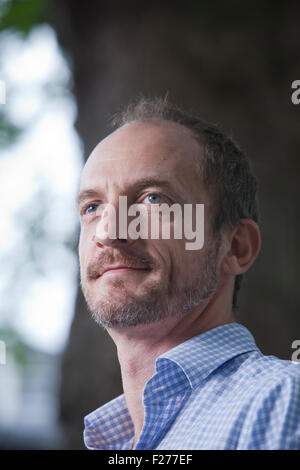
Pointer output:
x,y
225,169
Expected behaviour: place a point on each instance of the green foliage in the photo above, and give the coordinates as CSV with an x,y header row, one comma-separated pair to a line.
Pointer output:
x,y
22,15
8,131
19,16
15,344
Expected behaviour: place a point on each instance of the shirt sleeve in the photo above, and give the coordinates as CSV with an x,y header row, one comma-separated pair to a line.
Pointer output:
x,y
273,419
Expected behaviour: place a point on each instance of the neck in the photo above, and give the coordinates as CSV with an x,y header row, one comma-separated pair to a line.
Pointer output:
x,y
139,346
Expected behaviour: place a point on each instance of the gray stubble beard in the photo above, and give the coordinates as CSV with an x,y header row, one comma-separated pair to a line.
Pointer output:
x,y
160,300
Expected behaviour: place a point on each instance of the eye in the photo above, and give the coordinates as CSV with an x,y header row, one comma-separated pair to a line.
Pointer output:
x,y
154,198
90,208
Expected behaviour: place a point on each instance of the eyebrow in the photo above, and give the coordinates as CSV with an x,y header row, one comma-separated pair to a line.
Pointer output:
x,y
138,185
86,194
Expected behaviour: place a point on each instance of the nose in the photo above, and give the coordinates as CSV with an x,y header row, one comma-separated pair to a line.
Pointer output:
x,y
108,229
101,242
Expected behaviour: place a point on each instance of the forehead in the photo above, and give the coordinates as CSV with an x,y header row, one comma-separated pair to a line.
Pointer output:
x,y
162,150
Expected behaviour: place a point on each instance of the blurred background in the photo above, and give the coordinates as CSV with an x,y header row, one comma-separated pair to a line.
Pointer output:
x,y
65,68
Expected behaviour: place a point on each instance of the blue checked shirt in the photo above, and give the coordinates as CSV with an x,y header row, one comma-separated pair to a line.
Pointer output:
x,y
214,391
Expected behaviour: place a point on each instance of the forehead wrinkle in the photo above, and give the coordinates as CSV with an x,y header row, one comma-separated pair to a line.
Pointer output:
x,y
178,176
133,184
171,157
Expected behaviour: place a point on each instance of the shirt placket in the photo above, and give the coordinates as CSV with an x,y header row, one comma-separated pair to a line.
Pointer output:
x,y
163,398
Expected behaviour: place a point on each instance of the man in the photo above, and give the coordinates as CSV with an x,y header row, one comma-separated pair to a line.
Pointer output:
x,y
193,378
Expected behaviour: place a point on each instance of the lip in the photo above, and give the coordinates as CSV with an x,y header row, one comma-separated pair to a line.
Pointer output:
x,y
121,270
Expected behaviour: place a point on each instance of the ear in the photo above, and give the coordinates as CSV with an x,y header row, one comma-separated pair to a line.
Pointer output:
x,y
244,245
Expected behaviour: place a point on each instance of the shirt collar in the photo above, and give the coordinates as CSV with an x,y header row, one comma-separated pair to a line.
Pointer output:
x,y
110,426
199,356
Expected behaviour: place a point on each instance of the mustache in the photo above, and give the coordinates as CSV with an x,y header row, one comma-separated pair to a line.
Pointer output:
x,y
96,266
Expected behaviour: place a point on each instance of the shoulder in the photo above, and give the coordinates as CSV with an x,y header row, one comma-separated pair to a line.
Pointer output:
x,y
271,370
272,420
268,377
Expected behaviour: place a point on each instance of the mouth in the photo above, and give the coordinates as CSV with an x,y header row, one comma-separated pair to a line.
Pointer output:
x,y
116,270
121,270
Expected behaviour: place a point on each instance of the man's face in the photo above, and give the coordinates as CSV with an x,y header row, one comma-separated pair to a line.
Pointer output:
x,y
150,163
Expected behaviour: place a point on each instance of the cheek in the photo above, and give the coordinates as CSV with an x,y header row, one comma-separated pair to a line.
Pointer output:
x,y
173,256
188,262
80,245
161,255
84,244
